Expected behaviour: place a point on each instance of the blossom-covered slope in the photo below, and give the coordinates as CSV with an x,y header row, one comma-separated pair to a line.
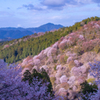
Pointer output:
x,y
67,60
16,50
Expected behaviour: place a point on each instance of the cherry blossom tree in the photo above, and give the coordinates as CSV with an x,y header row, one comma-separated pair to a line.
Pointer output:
x,y
13,88
95,72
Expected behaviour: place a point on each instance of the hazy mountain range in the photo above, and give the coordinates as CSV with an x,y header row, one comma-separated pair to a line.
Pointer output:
x,y
14,33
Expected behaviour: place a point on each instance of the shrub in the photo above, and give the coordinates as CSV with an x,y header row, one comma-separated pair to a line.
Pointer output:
x,y
64,85
63,79
87,89
90,80
37,62
92,92
51,51
63,59
41,76
13,88
63,45
78,50
87,46
97,48
71,64
29,66
52,79
55,67
55,60
69,59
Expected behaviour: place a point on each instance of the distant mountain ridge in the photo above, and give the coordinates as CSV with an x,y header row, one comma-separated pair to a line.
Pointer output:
x,y
19,32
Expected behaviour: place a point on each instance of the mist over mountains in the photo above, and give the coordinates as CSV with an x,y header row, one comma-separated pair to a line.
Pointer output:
x,y
15,33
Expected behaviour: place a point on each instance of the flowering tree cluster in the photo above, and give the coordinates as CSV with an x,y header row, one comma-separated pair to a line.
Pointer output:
x,y
13,88
93,92
95,71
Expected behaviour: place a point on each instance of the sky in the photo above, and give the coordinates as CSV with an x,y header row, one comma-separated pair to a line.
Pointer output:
x,y
33,13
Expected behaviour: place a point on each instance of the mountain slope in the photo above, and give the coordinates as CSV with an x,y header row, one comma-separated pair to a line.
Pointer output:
x,y
67,60
65,55
15,33
18,49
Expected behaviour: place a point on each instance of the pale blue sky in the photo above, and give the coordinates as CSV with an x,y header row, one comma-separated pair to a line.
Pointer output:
x,y
33,13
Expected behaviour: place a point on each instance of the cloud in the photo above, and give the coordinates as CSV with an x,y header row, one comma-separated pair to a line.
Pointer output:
x,y
8,7
56,17
5,13
60,4
54,4
96,1
32,7
19,25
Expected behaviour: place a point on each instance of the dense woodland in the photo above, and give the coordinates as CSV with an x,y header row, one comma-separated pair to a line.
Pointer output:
x,y
33,46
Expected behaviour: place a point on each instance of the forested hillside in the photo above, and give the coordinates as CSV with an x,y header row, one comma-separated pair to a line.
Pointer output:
x,y
33,46
72,63
68,58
